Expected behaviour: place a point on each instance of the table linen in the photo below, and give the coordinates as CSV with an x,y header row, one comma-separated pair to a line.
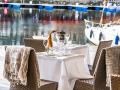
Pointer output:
x,y
40,37
80,49
73,49
2,58
63,69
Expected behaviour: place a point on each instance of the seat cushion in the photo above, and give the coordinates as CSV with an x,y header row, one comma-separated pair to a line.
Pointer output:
x,y
84,84
48,85
87,84
44,85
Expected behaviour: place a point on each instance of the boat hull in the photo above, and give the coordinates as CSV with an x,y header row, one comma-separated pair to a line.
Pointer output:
x,y
102,33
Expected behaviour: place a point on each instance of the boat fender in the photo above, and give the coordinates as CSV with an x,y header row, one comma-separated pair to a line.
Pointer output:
x,y
101,36
117,40
91,34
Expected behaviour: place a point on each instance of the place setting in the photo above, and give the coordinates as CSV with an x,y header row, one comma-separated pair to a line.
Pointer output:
x,y
57,45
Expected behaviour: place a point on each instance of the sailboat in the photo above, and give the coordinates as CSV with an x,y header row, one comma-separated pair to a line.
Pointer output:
x,y
96,32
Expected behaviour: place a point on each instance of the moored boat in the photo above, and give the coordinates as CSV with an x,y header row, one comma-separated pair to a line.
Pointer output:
x,y
96,32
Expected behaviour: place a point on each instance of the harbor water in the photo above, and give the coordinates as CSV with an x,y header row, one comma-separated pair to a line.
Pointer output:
x,y
19,23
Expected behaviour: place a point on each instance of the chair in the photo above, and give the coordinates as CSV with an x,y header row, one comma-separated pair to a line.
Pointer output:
x,y
102,44
99,80
115,82
37,44
113,67
103,71
88,84
32,76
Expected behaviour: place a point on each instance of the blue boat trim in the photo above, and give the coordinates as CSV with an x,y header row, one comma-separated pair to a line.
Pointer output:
x,y
43,6
50,7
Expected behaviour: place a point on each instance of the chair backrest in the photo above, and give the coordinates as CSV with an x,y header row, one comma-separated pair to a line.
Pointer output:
x,y
37,44
115,82
100,72
112,62
32,83
108,65
102,44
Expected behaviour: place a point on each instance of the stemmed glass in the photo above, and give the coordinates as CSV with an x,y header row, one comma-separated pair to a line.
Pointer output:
x,y
45,45
57,37
67,36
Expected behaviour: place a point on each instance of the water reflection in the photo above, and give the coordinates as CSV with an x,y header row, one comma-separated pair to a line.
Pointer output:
x,y
16,25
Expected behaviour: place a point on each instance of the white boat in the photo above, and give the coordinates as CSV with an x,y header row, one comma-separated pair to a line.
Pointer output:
x,y
96,32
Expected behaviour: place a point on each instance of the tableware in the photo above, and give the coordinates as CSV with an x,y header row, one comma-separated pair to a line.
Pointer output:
x,y
45,43
67,37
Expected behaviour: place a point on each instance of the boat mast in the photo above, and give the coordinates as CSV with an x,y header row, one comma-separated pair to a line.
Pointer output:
x,y
104,4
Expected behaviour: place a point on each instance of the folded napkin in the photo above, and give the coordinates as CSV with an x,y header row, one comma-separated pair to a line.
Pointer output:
x,y
50,43
40,37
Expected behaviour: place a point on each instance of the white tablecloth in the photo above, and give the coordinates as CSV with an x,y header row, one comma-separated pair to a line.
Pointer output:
x,y
65,69
40,37
80,49
2,60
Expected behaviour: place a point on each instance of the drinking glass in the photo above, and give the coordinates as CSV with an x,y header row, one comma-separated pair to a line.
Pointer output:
x,y
67,37
57,39
54,40
45,45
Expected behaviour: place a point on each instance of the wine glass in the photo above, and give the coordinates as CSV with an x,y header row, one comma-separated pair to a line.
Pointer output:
x,y
67,36
57,38
54,40
45,45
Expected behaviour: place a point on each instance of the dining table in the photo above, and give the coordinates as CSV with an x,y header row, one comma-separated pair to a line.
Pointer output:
x,y
2,58
65,69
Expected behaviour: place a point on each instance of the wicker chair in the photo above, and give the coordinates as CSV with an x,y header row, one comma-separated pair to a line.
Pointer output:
x,y
99,81
32,78
99,71
102,44
113,67
115,82
37,44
